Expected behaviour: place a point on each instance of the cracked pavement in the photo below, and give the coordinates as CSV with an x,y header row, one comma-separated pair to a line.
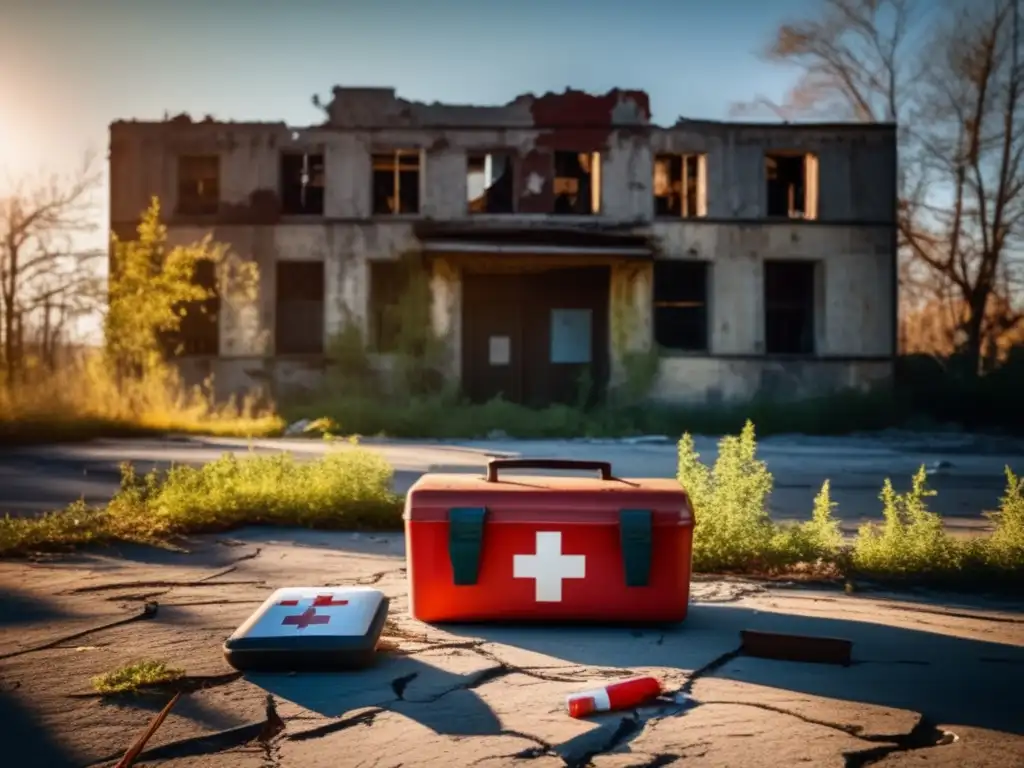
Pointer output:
x,y
932,683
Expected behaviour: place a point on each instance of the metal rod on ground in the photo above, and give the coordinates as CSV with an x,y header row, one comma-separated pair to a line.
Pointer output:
x,y
140,743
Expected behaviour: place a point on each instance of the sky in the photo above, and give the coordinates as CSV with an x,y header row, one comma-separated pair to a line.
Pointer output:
x,y
68,68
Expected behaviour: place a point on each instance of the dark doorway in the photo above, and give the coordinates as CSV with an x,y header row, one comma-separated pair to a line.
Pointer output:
x,y
532,337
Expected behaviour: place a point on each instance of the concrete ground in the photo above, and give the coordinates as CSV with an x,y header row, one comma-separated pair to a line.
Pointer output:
x,y
969,474
930,685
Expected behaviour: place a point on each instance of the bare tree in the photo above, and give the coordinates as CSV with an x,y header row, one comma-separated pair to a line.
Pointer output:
x,y
963,217
852,61
953,87
46,276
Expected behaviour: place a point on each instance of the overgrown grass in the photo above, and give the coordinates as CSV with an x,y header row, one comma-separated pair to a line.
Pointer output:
x,y
735,533
349,488
82,401
445,416
133,677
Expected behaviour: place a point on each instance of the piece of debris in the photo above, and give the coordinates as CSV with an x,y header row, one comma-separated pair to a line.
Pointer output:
x,y
814,650
140,743
625,694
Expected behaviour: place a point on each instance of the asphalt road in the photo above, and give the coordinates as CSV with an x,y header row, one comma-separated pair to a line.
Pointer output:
x,y
969,477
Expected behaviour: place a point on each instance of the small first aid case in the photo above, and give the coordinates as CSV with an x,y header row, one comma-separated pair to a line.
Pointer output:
x,y
548,548
310,628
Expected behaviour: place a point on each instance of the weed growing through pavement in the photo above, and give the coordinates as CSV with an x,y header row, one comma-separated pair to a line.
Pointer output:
x,y
133,677
348,488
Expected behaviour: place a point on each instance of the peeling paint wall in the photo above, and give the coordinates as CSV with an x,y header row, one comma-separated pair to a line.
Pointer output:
x,y
853,238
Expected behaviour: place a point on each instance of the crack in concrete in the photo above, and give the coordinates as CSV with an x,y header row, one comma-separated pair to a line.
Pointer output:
x,y
924,735
398,685
211,743
658,761
205,581
159,585
363,718
149,611
849,730
234,566
712,666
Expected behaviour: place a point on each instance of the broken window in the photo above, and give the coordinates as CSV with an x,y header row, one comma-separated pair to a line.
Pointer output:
x,y
302,183
198,184
299,308
681,305
388,283
577,186
489,183
789,300
792,185
198,331
680,186
396,182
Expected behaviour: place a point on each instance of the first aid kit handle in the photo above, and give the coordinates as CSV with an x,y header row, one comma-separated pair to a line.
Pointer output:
x,y
604,467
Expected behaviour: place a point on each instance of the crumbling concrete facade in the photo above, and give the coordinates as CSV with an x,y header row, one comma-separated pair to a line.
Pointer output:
x,y
753,259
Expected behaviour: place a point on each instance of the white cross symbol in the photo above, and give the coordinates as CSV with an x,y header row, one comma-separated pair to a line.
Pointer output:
x,y
549,566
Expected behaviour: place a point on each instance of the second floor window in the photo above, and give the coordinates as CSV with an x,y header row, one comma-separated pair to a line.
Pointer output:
x,y
198,184
792,180
577,185
490,182
680,186
302,183
396,182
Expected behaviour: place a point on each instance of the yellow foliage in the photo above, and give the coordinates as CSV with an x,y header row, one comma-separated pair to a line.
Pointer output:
x,y
83,398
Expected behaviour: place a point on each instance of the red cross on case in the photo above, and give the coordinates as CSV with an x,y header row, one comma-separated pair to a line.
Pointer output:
x,y
328,601
320,601
307,618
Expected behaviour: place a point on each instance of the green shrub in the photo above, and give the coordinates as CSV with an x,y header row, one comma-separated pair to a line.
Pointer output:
x,y
345,489
911,540
1004,549
734,530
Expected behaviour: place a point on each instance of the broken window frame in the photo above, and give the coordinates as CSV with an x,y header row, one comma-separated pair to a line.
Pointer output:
x,y
512,173
781,308
312,183
296,305
195,172
692,179
681,289
401,161
594,161
808,211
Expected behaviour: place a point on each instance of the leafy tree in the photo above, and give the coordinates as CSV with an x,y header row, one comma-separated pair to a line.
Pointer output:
x,y
151,285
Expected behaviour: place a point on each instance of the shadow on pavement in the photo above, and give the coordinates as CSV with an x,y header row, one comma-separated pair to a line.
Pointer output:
x,y
17,608
27,743
434,697
948,679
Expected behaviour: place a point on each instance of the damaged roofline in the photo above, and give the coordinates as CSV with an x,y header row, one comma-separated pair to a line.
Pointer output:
x,y
369,108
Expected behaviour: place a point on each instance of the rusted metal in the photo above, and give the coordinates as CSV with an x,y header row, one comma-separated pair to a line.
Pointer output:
x,y
814,650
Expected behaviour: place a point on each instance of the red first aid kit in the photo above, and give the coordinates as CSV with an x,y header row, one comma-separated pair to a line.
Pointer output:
x,y
548,548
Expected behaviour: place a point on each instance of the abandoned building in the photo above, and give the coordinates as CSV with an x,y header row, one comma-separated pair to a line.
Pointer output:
x,y
562,234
